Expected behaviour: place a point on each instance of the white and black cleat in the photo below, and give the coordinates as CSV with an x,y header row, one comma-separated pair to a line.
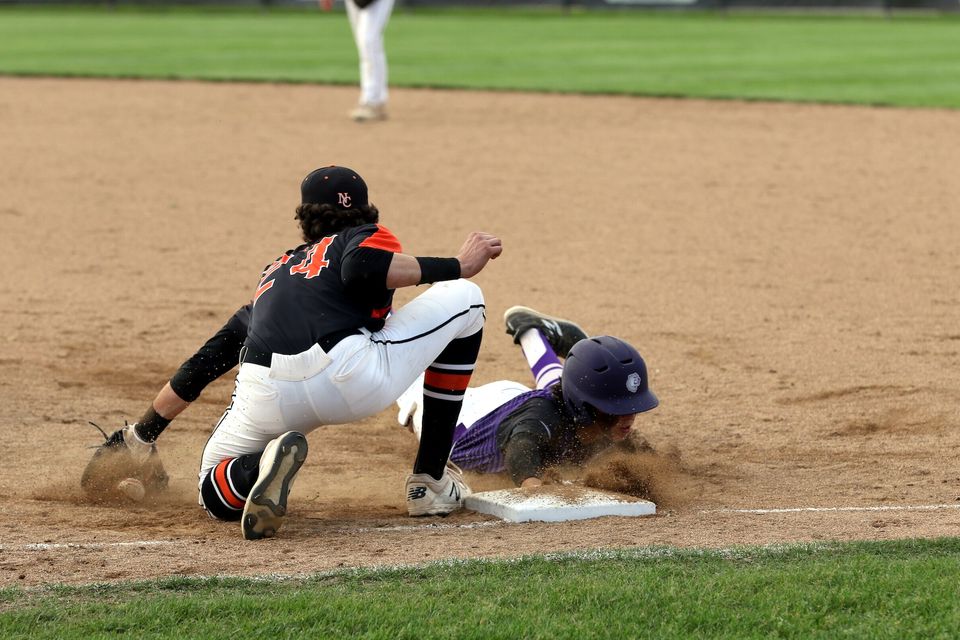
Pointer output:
x,y
561,334
427,496
267,503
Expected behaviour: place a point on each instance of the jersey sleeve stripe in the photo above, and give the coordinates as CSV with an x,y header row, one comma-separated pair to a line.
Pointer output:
x,y
382,238
261,290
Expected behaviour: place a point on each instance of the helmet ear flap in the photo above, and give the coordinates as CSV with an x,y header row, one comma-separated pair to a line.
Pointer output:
x,y
581,412
584,415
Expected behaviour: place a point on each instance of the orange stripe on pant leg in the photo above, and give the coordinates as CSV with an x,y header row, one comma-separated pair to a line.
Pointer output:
x,y
450,381
220,477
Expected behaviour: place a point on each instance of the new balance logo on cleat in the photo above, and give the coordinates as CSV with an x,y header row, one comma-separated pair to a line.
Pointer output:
x,y
427,496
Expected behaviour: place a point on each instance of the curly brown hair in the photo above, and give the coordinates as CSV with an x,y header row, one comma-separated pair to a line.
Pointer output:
x,y
320,220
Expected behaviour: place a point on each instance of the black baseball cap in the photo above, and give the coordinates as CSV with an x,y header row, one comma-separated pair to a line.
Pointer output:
x,y
338,186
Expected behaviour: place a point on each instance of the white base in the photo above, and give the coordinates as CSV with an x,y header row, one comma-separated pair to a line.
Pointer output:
x,y
557,504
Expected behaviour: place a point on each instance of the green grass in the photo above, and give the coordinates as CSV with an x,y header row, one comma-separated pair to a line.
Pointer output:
x,y
904,589
905,61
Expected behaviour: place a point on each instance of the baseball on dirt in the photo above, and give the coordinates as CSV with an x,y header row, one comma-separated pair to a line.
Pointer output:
x,y
132,488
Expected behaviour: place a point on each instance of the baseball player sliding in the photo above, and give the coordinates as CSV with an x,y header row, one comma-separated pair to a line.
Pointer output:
x,y
579,407
320,344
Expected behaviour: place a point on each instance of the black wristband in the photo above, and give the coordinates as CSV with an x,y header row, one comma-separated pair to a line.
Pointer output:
x,y
151,425
438,269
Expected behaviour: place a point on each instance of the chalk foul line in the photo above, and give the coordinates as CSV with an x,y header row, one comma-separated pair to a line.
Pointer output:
x,y
919,507
51,546
48,546
60,546
425,527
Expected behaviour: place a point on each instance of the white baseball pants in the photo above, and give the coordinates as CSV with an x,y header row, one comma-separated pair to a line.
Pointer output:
x,y
368,25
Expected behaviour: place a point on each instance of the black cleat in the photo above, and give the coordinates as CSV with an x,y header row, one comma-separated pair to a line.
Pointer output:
x,y
561,334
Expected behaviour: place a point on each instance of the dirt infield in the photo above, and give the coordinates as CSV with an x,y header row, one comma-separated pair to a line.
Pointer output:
x,y
790,273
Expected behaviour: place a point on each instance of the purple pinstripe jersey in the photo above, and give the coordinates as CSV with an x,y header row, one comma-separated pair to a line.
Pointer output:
x,y
478,448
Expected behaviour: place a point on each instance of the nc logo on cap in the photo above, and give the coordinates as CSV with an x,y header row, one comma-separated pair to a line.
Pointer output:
x,y
343,199
633,382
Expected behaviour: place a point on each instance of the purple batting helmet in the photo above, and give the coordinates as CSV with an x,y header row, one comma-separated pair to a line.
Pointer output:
x,y
607,375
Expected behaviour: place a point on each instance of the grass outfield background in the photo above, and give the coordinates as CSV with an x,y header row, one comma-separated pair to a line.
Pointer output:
x,y
905,61
903,589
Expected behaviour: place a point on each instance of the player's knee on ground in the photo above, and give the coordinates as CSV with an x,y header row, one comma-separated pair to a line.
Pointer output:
x,y
224,490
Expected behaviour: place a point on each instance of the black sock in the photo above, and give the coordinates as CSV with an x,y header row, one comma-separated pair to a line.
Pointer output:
x,y
444,384
151,425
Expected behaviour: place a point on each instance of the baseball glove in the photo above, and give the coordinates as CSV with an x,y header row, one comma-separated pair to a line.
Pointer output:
x,y
122,456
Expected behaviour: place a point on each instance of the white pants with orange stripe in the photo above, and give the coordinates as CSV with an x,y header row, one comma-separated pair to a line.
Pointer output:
x,y
361,376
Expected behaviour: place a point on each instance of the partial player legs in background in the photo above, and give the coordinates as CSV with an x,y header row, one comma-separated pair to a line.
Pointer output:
x,y
368,26
368,112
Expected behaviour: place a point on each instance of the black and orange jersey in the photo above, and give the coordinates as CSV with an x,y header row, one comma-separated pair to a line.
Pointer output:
x,y
323,288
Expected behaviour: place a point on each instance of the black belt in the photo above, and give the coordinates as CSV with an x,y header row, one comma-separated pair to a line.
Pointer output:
x,y
263,358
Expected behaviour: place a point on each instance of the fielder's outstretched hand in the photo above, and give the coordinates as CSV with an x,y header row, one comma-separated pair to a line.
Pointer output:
x,y
114,462
479,249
